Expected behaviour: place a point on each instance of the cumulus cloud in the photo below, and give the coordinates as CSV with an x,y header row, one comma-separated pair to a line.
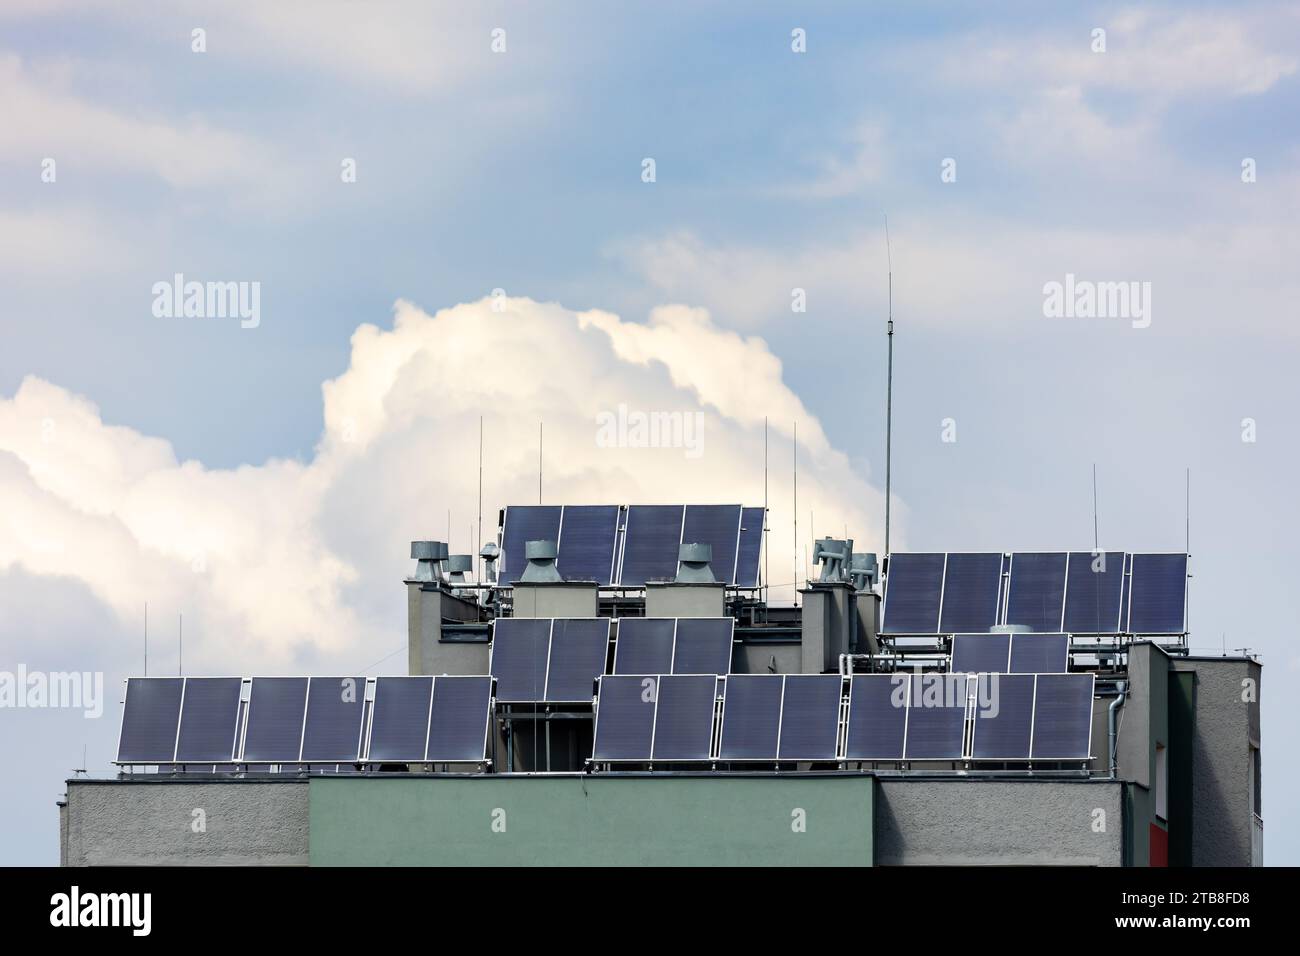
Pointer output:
x,y
285,565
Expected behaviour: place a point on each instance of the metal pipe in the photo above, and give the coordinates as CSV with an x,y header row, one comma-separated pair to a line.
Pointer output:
x,y
1112,726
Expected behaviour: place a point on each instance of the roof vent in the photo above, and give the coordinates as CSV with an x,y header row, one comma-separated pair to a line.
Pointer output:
x,y
864,572
833,555
428,556
541,563
489,554
457,566
694,564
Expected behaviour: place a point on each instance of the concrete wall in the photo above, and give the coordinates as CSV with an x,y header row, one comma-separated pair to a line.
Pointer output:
x,y
757,657
685,600
556,599
1226,724
592,820
132,823
927,821
427,653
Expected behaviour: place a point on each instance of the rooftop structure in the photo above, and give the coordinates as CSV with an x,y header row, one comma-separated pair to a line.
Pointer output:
x,y
618,690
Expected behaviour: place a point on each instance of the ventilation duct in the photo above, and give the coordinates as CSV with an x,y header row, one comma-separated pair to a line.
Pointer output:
x,y
541,563
693,564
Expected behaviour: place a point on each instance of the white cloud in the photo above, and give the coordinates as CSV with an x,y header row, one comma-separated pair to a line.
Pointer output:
x,y
285,562
46,117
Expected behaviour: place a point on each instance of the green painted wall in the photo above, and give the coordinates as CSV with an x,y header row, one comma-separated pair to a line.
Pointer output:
x,y
591,820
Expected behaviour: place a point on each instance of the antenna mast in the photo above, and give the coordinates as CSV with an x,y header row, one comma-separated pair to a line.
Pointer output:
x,y
889,394
539,463
767,578
1096,538
794,598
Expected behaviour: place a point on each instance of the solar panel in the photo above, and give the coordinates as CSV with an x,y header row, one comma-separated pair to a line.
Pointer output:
x,y
276,708
810,717
877,717
1004,715
683,724
517,658
335,710
1158,601
751,547
936,717
719,527
459,719
980,653
399,727
1040,653
1092,592
625,716
1063,717
751,717
971,585
150,716
644,645
209,719
524,523
703,645
1037,590
579,647
912,593
650,543
588,540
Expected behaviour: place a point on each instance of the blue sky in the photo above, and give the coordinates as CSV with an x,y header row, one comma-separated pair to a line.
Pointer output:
x,y
521,171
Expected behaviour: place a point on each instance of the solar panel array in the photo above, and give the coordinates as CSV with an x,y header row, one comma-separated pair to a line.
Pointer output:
x,y
626,546
1010,653
769,718
670,645
1074,592
304,720
555,660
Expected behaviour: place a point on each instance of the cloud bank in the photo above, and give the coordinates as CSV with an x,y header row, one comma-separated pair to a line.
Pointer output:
x,y
293,565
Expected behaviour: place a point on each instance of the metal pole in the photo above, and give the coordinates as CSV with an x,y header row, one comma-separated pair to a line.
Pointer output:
x,y
478,543
889,394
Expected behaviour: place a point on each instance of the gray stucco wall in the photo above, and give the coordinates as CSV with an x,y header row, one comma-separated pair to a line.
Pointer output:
x,y
249,822
1225,725
998,822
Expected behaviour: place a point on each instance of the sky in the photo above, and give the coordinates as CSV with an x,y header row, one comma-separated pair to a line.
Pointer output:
x,y
543,213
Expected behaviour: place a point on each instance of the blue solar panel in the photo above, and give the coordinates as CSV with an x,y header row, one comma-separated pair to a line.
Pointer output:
x,y
335,710
751,547
588,540
877,717
209,719
650,544
751,717
1037,596
149,720
625,718
971,585
644,645
524,523
1003,716
1063,717
520,646
399,728
810,717
703,645
912,592
1159,586
1092,592
936,717
579,647
276,707
980,653
719,527
683,726
1040,653
459,723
